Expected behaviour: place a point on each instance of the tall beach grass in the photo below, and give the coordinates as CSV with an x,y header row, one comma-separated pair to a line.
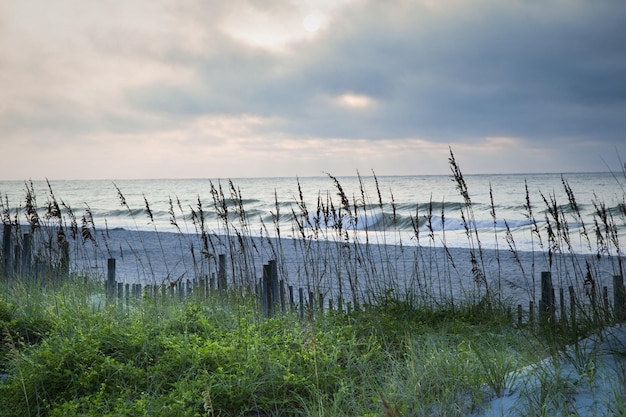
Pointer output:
x,y
434,335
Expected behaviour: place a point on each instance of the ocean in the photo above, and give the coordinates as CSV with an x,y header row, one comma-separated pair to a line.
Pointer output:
x,y
404,199
535,216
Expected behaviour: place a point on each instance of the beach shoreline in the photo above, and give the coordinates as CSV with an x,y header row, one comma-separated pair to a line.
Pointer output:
x,y
334,267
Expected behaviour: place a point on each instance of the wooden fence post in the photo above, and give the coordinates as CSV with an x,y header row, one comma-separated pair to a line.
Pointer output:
x,y
619,297
546,307
312,305
221,273
65,260
321,303
283,307
272,291
266,291
274,287
27,254
17,257
111,278
572,307
7,245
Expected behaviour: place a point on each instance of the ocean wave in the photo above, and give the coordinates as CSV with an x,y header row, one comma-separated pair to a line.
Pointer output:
x,y
346,222
380,221
438,224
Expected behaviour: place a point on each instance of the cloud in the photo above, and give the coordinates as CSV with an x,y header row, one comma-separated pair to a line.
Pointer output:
x,y
509,70
483,76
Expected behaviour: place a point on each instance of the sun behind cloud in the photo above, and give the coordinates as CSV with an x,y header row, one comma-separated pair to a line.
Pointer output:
x,y
312,22
354,101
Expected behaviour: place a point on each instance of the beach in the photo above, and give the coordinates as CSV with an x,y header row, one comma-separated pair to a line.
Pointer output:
x,y
351,238
338,269
361,253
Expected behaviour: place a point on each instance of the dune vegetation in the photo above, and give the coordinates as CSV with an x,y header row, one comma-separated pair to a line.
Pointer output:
x,y
70,348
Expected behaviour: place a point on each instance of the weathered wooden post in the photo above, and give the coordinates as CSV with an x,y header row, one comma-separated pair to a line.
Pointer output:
x,y
272,288
292,304
312,305
65,260
619,298
266,291
274,280
17,260
27,254
546,306
7,245
136,290
111,278
321,302
221,273
283,307
301,294
572,307
181,290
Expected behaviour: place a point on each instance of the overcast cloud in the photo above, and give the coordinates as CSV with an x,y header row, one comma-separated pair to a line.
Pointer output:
x,y
168,88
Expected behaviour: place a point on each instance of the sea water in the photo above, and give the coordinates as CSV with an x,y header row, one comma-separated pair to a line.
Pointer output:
x,y
143,220
391,205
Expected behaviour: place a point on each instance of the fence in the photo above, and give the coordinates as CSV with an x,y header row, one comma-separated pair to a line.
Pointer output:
x,y
569,310
275,297
19,259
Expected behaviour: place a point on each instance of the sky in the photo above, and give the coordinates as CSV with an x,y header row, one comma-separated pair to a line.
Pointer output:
x,y
264,88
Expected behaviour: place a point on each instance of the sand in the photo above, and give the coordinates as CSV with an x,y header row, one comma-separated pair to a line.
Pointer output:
x,y
592,374
588,379
338,267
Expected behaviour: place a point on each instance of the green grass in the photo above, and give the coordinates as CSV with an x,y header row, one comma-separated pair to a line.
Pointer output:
x,y
63,355
66,351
